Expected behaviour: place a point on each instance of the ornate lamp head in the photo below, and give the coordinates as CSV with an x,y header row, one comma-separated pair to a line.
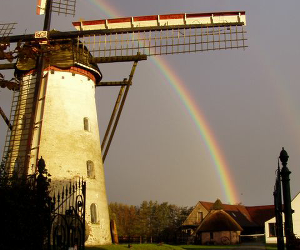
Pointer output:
x,y
283,157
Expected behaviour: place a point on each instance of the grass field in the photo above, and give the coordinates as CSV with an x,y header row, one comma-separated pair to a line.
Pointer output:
x,y
137,246
271,247
166,247
156,247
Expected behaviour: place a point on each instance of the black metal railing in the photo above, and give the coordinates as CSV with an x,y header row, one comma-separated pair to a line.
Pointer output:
x,y
67,229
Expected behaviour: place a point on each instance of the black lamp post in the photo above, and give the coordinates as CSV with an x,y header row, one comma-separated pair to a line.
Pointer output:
x,y
278,210
285,176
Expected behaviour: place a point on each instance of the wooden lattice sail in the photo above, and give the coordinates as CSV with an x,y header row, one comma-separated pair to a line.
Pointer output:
x,y
164,34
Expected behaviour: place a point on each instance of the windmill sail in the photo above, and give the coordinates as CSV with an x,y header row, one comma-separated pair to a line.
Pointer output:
x,y
66,7
164,34
16,143
6,29
41,7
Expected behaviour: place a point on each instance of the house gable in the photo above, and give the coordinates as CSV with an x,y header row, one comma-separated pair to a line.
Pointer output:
x,y
197,215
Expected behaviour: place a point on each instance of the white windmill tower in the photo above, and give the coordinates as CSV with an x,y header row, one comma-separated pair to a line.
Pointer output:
x,y
53,113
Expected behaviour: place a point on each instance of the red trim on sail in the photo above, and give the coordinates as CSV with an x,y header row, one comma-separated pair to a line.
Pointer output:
x,y
161,17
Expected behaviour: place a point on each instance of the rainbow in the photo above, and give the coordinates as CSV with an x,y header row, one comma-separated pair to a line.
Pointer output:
x,y
176,83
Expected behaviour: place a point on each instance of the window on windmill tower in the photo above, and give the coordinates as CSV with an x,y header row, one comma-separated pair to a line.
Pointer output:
x,y
90,169
86,124
94,218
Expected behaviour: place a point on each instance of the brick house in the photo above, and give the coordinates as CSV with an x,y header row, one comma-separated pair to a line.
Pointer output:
x,y
250,218
218,228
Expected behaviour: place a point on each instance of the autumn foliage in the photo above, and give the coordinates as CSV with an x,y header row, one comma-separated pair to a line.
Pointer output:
x,y
148,222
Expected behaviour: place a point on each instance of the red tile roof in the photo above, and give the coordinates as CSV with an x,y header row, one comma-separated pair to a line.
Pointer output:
x,y
246,215
260,214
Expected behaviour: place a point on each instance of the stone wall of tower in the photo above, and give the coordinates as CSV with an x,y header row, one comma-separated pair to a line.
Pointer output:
x,y
70,144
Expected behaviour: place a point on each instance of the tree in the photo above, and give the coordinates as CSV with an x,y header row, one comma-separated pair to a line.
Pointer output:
x,y
157,222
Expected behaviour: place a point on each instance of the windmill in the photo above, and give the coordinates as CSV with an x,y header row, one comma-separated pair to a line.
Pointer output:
x,y
53,112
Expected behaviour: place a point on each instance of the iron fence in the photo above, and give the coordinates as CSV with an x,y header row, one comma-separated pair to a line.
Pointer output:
x,y
67,229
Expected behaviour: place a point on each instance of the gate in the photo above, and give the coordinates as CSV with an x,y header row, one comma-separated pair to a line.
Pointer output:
x,y
67,228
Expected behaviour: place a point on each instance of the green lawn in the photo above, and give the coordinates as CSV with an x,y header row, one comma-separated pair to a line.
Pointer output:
x,y
164,247
271,247
196,247
136,246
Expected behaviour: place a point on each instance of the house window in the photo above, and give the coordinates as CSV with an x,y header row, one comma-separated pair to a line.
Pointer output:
x,y
90,169
199,216
272,230
86,124
94,218
211,235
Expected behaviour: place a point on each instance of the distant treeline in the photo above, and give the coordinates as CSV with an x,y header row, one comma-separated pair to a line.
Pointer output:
x,y
152,221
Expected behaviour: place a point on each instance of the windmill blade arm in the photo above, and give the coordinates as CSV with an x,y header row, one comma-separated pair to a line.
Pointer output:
x,y
113,59
164,21
6,120
7,66
102,32
143,23
151,41
17,38
109,84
